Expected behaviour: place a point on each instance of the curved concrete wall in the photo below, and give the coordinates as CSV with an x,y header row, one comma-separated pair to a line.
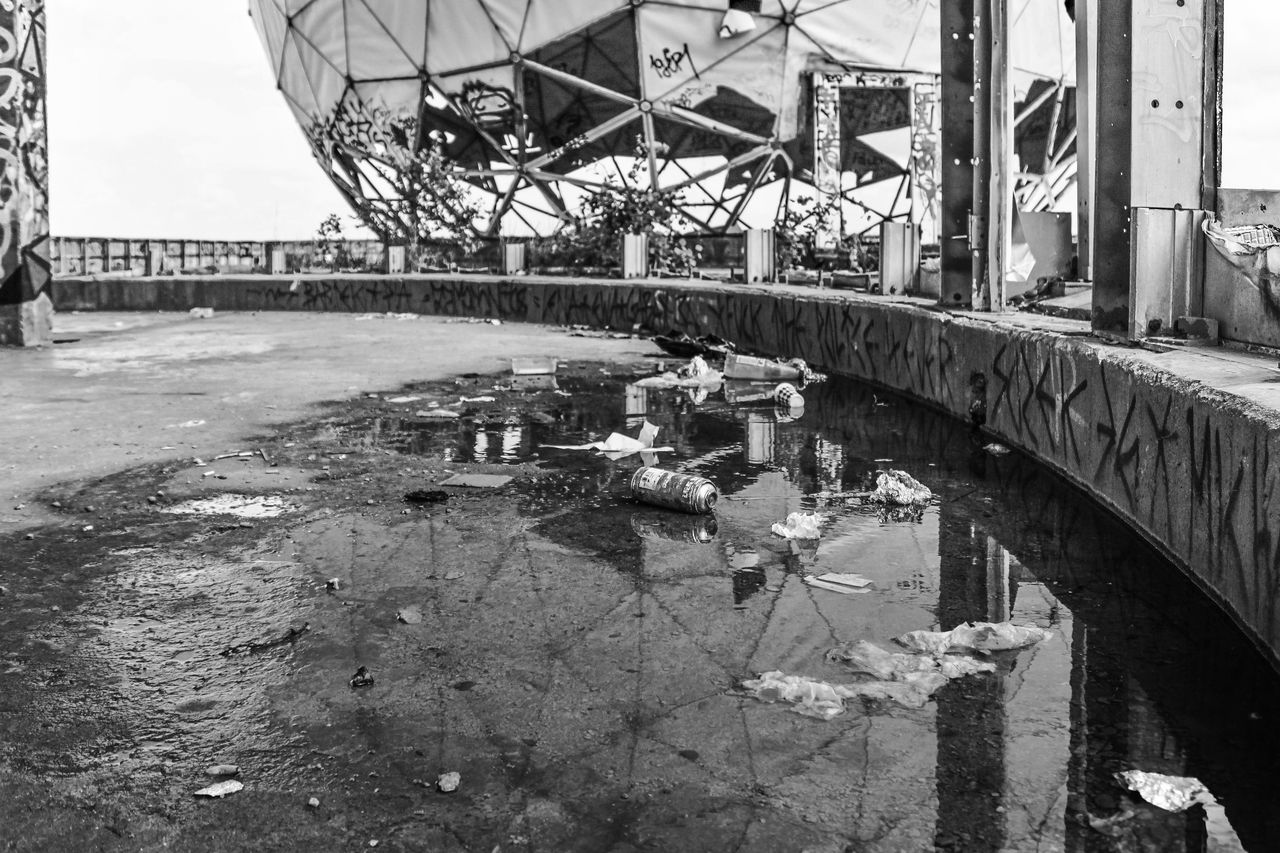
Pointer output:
x,y
1187,466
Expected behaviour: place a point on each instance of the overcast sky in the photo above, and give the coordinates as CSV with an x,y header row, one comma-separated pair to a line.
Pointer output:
x,y
164,121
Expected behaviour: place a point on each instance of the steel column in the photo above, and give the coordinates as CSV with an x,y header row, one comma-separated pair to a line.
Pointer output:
x,y
957,152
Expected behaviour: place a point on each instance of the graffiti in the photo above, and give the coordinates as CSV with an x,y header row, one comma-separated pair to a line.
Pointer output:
x,y
24,172
489,107
671,62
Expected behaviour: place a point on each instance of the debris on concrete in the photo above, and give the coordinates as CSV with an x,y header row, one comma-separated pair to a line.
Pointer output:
x,y
333,584
799,525
617,445
403,399
234,455
410,616
536,366
453,576
362,678
436,413
681,345
244,506
974,637
289,637
685,492
1171,793
809,696
900,488
223,770
313,803
426,496
449,782
480,399
201,313
478,481
846,583
996,449
709,380
786,396
219,790
696,368
1252,249
738,366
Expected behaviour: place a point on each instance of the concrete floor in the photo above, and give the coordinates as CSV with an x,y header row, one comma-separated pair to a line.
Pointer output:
x,y
129,388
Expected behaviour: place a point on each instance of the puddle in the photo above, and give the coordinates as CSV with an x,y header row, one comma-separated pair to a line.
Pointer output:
x,y
241,506
576,656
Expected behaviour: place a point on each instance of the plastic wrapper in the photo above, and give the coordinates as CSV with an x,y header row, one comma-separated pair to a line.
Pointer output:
x,y
974,637
799,525
900,488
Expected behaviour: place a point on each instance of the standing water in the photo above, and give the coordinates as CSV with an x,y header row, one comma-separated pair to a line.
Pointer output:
x,y
579,657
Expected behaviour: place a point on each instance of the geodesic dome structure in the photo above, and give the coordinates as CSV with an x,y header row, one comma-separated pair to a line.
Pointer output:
x,y
536,103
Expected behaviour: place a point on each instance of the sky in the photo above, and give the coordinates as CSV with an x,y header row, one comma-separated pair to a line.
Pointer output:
x,y
164,121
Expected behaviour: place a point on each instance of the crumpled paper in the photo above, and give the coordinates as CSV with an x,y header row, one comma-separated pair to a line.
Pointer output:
x,y
974,637
1171,793
799,525
899,487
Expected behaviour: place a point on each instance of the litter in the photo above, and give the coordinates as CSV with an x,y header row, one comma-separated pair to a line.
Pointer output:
x,y
403,399
810,697
681,345
746,391
426,496
697,367
362,678
696,374
221,789
237,454
201,313
899,487
996,449
313,802
533,366
484,399
685,492
1171,793
786,396
333,584
975,637
410,616
436,413
478,481
223,770
617,445
846,583
799,525
453,576
288,638
751,367
1252,249
449,782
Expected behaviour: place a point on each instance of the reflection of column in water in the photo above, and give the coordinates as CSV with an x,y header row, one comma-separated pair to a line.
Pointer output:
x,y
699,529
511,438
481,450
971,722
636,399
830,460
999,587
762,430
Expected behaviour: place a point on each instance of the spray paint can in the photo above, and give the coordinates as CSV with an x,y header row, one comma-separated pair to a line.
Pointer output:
x,y
685,492
787,397
697,529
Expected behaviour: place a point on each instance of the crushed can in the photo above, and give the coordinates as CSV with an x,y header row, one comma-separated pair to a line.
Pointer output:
x,y
685,492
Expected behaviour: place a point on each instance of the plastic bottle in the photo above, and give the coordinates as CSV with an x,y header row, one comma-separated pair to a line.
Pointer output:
x,y
685,492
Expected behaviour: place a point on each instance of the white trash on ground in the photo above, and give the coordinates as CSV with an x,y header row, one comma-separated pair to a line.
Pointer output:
x,y
974,637
1171,793
847,583
617,445
799,525
221,789
899,487
449,782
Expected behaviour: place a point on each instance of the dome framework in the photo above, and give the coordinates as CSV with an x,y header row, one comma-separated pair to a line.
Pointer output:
x,y
736,110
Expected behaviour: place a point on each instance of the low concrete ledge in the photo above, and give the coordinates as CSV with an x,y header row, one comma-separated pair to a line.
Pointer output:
x,y
1179,444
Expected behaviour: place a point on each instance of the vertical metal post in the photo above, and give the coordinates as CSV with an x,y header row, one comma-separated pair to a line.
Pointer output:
x,y
956,287
979,217
1086,115
1000,160
1113,146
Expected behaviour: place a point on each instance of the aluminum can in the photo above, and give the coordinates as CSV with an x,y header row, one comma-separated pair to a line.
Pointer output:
x,y
685,492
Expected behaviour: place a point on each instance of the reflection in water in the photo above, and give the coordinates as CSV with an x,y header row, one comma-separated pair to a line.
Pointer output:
x,y
1134,676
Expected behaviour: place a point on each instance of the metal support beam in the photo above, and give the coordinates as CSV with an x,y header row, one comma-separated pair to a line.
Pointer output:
x,y
957,152
979,216
1086,122
1113,156
26,312
1000,130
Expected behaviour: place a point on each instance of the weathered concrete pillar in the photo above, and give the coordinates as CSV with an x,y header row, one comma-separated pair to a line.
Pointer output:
x,y
26,312
1157,93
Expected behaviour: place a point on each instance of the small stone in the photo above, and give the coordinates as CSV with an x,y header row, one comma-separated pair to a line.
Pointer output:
x,y
152,499
87,528
56,504
89,508
223,770
410,616
313,803
449,782
4,590
30,536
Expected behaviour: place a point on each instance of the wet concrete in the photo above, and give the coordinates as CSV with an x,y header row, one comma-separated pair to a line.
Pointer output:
x,y
577,656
